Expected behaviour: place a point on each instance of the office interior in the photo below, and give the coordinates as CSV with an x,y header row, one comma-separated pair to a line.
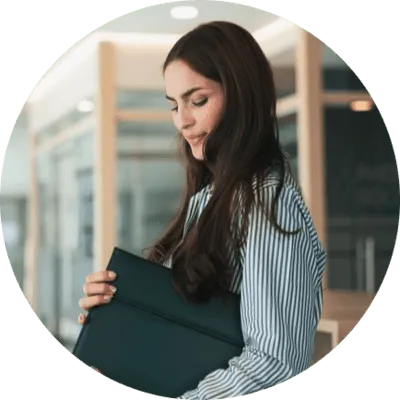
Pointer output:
x,y
92,162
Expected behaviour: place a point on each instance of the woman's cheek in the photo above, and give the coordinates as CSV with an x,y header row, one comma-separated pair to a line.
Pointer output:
x,y
211,118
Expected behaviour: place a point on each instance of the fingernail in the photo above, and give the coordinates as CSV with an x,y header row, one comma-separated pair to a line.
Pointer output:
x,y
107,298
112,274
113,289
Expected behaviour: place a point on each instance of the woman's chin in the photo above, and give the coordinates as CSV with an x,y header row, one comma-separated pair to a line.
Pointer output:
x,y
198,153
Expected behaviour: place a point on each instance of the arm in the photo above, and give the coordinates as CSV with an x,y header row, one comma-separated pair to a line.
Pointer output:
x,y
280,304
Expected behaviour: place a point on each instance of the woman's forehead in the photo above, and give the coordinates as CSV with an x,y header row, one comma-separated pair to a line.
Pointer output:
x,y
179,78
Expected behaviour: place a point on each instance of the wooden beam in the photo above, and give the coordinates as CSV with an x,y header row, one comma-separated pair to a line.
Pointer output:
x,y
286,105
345,97
142,115
311,151
105,159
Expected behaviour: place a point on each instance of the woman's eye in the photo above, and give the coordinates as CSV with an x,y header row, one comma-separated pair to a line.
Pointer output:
x,y
200,103
196,104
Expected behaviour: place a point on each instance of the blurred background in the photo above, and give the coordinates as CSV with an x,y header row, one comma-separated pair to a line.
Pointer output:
x,y
92,161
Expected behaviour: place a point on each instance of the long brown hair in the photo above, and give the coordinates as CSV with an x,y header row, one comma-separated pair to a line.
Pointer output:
x,y
242,149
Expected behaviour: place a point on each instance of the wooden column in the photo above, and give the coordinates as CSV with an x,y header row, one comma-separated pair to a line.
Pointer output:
x,y
310,128
105,158
32,242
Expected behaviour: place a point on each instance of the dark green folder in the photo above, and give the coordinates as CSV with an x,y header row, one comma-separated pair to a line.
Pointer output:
x,y
150,339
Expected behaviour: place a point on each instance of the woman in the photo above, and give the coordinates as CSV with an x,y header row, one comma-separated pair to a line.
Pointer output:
x,y
243,225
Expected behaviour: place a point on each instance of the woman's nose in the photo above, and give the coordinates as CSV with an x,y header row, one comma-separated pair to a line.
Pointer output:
x,y
185,120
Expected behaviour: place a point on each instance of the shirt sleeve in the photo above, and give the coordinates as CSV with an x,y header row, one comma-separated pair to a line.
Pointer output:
x,y
281,301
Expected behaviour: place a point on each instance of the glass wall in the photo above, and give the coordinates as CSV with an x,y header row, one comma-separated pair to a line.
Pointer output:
x,y
341,79
362,197
13,221
66,232
288,139
361,176
13,198
150,177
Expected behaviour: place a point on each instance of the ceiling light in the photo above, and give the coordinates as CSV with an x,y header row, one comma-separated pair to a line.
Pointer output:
x,y
85,106
361,105
184,12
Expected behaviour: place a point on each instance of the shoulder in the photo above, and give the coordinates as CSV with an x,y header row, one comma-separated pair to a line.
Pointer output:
x,y
266,186
292,212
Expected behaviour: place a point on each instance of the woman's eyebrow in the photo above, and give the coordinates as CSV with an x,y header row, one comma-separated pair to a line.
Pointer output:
x,y
185,95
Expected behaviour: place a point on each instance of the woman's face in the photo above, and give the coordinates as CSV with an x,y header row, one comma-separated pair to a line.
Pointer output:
x,y
196,104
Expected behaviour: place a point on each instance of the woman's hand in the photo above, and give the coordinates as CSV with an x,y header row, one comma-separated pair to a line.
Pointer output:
x,y
97,291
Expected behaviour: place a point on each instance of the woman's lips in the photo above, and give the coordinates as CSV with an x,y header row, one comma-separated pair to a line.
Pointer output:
x,y
195,140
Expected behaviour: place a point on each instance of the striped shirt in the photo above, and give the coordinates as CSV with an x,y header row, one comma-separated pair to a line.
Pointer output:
x,y
279,279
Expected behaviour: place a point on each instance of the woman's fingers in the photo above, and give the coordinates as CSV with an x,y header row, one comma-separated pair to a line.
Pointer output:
x,y
101,276
91,289
97,290
92,301
81,319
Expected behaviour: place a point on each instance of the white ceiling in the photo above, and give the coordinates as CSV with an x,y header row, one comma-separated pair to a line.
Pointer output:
x,y
157,19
